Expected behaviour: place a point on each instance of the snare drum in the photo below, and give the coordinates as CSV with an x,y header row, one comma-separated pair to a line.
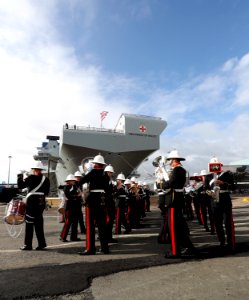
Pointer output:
x,y
15,214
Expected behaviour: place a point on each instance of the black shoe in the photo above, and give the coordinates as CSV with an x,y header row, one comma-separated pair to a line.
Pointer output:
x,y
222,246
230,249
63,240
26,248
188,251
112,241
105,251
76,240
87,253
41,247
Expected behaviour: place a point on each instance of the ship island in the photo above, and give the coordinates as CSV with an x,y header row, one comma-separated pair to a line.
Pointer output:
x,y
132,141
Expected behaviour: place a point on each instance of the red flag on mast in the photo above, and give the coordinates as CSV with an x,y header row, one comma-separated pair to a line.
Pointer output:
x,y
103,114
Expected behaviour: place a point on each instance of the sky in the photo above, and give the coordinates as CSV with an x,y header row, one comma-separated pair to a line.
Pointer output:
x,y
66,61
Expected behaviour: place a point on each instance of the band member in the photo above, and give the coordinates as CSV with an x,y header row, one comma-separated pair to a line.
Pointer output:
x,y
197,184
147,196
110,205
222,184
62,205
159,186
178,229
164,229
37,186
72,210
78,176
121,205
188,195
134,201
130,205
206,208
95,206
141,200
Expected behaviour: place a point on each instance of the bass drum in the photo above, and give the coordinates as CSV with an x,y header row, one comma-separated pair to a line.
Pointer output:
x,y
15,212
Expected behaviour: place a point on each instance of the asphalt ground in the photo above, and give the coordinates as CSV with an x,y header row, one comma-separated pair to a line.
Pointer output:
x,y
136,268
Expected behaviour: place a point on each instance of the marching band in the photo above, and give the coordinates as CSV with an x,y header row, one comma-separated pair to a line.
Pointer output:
x,y
111,205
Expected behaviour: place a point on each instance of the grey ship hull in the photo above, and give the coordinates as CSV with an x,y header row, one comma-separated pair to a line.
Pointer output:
x,y
125,148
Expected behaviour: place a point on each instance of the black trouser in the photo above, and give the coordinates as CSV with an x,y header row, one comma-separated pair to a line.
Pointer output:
x,y
121,219
179,231
34,221
110,214
147,204
188,207
206,210
96,215
164,228
224,215
71,220
81,220
197,206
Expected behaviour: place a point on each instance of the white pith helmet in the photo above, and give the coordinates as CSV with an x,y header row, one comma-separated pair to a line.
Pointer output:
x,y
174,154
140,183
203,173
99,159
133,179
214,160
78,174
145,183
121,177
38,165
109,168
70,177
127,181
195,174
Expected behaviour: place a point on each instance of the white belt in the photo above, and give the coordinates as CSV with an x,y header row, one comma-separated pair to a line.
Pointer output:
x,y
224,191
122,196
168,190
163,192
30,194
97,191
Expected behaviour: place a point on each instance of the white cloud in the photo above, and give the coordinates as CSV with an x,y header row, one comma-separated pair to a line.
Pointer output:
x,y
43,86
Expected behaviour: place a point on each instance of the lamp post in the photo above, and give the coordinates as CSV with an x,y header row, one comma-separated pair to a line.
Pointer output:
x,y
9,171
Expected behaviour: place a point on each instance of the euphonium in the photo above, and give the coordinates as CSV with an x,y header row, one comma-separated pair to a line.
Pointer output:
x,y
214,193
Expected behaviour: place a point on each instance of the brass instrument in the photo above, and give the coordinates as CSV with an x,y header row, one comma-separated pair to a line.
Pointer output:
x,y
214,193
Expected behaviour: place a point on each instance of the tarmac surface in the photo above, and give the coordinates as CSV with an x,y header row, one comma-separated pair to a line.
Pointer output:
x,y
136,268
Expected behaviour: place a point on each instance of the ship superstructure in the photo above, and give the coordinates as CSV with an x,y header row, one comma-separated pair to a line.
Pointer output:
x,y
125,147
